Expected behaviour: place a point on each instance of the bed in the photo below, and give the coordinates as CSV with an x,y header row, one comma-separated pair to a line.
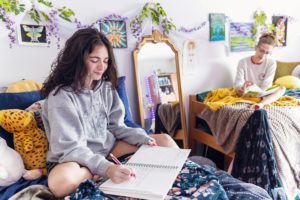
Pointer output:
x,y
278,128
229,187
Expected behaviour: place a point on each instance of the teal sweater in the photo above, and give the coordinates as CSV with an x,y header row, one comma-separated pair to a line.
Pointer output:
x,y
84,127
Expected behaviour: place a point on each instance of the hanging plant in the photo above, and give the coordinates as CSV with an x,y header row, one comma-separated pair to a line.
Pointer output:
x,y
51,19
260,26
158,17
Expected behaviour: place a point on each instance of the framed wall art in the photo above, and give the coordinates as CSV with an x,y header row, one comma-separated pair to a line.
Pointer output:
x,y
115,31
280,23
29,34
241,37
216,26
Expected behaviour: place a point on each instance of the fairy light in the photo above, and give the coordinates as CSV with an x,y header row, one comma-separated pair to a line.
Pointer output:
x,y
150,100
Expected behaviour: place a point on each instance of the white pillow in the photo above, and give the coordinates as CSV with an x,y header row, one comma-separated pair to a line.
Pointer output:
x,y
296,71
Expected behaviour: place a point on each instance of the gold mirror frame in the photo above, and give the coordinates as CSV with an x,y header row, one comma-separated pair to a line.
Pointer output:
x,y
156,37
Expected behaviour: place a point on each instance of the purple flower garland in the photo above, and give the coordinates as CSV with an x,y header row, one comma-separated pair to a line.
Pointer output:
x,y
9,26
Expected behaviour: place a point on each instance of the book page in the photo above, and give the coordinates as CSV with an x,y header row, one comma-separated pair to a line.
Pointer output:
x,y
256,91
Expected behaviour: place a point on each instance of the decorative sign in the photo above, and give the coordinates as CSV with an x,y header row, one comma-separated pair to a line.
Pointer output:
x,y
115,31
216,27
280,23
32,35
241,37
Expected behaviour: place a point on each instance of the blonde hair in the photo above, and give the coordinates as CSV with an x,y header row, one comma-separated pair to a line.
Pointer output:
x,y
267,38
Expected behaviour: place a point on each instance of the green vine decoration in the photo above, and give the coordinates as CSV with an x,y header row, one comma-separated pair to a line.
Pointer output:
x,y
64,12
51,18
260,19
158,16
11,6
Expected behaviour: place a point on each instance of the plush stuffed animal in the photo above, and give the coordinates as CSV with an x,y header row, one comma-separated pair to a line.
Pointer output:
x,y
12,167
29,141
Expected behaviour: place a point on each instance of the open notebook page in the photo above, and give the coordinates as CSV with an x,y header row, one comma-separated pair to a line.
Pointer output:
x,y
151,182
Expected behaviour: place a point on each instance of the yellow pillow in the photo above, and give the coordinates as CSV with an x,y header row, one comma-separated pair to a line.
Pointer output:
x,y
284,68
24,86
290,82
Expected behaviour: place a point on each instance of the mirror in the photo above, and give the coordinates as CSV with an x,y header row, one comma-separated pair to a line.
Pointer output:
x,y
158,81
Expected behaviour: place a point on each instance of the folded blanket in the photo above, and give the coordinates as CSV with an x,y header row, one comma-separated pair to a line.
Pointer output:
x,y
228,96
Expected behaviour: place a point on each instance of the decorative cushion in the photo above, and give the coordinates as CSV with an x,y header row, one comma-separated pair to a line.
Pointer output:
x,y
19,100
284,68
290,82
123,96
24,86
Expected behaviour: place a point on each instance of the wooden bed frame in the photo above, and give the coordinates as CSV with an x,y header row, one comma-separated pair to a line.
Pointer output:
x,y
197,135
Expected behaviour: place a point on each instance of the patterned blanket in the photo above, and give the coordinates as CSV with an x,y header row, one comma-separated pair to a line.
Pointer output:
x,y
226,125
194,182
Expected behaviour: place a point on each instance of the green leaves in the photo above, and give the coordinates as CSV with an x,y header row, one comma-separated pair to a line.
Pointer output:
x,y
34,15
12,6
46,3
158,17
65,13
260,19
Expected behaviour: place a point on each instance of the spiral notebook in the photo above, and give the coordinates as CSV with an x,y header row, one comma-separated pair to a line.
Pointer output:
x,y
156,169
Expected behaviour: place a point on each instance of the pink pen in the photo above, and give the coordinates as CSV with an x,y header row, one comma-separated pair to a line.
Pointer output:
x,y
115,159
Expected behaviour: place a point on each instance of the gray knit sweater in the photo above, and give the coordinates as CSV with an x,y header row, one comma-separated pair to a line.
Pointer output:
x,y
84,127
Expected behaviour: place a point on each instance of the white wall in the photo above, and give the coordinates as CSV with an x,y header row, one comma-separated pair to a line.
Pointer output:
x,y
216,64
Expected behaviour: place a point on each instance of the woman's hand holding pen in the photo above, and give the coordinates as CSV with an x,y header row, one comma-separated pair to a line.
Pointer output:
x,y
152,142
119,173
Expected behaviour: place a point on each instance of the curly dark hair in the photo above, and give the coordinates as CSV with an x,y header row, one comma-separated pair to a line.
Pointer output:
x,y
69,69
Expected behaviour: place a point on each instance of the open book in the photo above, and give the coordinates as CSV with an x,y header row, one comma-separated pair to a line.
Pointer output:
x,y
156,169
255,91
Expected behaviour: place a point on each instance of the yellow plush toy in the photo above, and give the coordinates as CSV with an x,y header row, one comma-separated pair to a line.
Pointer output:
x,y
29,141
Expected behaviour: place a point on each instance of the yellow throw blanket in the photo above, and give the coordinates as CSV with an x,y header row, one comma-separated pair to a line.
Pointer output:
x,y
228,96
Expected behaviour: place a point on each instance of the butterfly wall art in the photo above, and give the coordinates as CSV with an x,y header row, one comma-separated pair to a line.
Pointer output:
x,y
115,31
32,35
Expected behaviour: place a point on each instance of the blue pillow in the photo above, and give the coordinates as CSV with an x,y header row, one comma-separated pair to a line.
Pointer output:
x,y
123,96
19,100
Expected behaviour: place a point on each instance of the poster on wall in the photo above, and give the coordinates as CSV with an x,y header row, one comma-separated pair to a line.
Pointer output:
x,y
190,58
115,31
216,26
280,23
32,35
241,37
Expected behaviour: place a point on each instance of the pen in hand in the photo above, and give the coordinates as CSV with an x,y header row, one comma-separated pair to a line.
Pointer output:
x,y
115,159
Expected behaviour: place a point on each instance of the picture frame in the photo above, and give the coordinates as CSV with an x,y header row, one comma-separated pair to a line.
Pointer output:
x,y
33,35
280,24
115,31
216,27
241,37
